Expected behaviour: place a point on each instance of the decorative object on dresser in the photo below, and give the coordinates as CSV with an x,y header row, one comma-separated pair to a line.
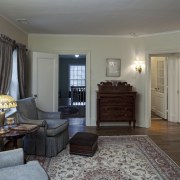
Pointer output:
x,y
115,102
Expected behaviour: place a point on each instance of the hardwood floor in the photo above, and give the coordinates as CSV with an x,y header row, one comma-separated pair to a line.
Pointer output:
x,y
165,134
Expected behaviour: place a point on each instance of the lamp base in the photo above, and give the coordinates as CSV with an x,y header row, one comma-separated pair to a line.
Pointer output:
x,y
2,131
2,118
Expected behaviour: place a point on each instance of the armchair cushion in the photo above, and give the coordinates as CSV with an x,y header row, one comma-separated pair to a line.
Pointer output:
x,y
29,171
48,115
24,120
11,158
28,108
12,167
56,126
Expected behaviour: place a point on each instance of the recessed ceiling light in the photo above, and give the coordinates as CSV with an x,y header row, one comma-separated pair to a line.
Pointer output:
x,y
76,55
23,21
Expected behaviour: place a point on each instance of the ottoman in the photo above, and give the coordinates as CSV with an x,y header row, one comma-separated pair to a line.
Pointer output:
x,y
84,143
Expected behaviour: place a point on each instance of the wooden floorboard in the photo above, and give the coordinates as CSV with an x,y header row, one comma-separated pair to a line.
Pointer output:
x,y
165,134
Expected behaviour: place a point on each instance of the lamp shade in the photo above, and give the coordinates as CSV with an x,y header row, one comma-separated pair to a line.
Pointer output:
x,y
7,101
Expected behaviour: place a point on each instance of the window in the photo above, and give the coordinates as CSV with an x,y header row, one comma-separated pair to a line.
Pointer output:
x,y
77,76
14,86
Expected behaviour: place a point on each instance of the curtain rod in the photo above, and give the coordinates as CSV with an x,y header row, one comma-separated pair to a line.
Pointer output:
x,y
13,41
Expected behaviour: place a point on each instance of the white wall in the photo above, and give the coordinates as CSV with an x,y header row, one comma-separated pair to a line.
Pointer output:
x,y
13,31
155,44
101,48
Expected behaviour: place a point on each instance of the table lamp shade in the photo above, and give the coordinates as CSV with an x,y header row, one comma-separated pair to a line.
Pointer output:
x,y
7,102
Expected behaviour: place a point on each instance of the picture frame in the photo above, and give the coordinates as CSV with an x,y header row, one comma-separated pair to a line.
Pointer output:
x,y
113,67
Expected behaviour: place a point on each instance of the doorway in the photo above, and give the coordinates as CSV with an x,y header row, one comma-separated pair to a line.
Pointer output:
x,y
158,87
72,88
165,85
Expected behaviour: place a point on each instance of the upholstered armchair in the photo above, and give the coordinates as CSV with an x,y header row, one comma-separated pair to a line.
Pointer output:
x,y
12,167
52,136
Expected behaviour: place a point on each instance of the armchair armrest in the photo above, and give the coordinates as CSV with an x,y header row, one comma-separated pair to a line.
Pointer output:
x,y
11,158
25,120
48,115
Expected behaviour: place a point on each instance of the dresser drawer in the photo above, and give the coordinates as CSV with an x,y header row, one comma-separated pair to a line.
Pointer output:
x,y
122,100
114,113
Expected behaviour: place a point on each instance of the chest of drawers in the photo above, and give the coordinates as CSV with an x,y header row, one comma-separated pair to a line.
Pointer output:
x,y
115,103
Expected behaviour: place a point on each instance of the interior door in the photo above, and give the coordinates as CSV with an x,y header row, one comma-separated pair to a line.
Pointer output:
x,y
153,83
45,80
173,88
159,87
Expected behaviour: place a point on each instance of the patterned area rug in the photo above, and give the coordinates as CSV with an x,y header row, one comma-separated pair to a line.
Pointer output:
x,y
117,158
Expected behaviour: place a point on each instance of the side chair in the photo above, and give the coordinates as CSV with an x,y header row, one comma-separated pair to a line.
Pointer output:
x,y
52,136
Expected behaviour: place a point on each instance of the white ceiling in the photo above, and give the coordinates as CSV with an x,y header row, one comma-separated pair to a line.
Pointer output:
x,y
94,17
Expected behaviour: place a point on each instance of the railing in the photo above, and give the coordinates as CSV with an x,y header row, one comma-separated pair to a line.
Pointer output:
x,y
78,95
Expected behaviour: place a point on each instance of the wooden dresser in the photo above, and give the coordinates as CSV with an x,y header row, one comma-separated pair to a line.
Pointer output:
x,y
115,103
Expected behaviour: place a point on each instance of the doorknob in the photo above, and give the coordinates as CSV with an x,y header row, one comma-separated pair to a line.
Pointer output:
x,y
35,95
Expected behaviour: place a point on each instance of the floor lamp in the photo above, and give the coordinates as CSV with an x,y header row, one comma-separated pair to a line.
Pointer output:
x,y
6,102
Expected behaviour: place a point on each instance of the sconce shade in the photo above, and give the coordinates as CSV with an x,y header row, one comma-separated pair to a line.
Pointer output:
x,y
7,102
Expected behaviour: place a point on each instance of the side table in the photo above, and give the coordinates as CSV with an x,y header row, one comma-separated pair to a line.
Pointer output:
x,y
19,131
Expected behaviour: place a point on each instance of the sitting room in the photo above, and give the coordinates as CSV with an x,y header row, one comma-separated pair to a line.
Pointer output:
x,y
89,90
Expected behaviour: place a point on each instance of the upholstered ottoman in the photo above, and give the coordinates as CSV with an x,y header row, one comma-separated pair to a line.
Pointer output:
x,y
84,143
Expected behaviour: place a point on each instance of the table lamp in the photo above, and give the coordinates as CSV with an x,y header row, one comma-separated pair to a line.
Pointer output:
x,y
6,102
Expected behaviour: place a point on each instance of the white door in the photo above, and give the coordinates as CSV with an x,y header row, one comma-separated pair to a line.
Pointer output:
x,y
153,83
159,87
45,80
173,88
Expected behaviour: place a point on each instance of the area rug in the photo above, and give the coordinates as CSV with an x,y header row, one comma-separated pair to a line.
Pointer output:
x,y
117,158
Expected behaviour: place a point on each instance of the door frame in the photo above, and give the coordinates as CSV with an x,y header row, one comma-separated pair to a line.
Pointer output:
x,y
88,81
148,55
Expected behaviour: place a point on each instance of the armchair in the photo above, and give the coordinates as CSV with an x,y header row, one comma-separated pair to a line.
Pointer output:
x,y
12,167
52,135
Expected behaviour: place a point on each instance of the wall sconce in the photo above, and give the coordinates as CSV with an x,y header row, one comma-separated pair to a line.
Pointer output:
x,y
138,65
138,68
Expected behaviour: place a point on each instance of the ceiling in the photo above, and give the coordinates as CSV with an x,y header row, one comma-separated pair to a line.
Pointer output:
x,y
93,17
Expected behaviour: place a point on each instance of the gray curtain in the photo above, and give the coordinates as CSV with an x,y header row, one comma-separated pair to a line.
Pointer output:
x,y
6,51
21,58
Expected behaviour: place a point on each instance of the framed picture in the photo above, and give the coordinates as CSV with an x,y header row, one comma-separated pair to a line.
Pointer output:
x,y
113,67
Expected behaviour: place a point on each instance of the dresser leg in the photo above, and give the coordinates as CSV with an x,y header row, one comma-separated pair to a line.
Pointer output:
x,y
97,125
134,124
